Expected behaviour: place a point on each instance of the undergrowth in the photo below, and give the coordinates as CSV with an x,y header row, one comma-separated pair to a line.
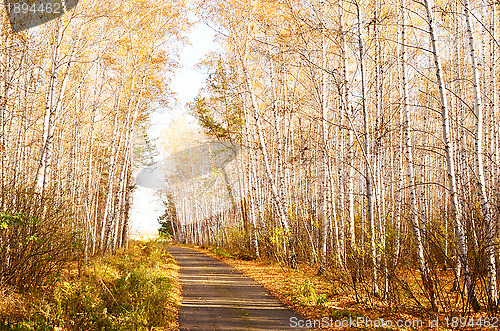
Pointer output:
x,y
305,295
135,289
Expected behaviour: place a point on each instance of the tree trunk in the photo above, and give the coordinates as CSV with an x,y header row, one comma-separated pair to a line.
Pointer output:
x,y
368,172
323,142
459,229
485,205
422,262
282,213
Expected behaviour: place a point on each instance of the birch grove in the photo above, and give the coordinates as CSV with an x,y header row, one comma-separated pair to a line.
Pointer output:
x,y
357,138
76,93
369,143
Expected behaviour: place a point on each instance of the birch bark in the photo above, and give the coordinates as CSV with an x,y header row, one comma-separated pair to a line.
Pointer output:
x,y
448,147
422,262
478,143
368,172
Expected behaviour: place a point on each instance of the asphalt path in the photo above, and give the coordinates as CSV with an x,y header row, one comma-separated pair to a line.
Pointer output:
x,y
215,296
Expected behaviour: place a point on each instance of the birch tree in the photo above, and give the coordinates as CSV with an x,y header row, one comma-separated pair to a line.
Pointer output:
x,y
422,262
448,147
485,205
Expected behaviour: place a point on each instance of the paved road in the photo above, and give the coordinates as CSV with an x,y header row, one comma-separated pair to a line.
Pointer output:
x,y
218,297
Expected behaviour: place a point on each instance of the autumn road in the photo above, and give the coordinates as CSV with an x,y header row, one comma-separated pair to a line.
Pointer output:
x,y
215,296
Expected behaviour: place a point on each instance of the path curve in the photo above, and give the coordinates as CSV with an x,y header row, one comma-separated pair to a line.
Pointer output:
x,y
215,296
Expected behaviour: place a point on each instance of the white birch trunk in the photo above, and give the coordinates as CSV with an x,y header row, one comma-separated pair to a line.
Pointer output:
x,y
350,137
368,173
422,262
485,205
324,160
459,229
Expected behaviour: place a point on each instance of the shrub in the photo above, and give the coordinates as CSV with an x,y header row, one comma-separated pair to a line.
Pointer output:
x,y
33,249
305,295
135,289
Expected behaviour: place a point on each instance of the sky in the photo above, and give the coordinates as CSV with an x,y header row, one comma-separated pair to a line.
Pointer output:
x,y
146,203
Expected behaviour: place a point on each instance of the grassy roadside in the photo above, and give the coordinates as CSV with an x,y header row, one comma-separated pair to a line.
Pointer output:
x,y
135,289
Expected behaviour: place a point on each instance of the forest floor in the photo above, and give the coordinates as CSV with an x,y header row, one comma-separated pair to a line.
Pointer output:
x,y
135,289
326,306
